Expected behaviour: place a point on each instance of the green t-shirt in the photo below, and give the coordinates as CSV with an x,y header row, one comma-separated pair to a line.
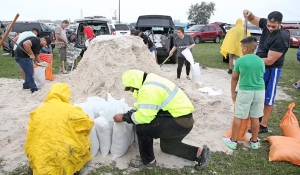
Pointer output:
x,y
251,69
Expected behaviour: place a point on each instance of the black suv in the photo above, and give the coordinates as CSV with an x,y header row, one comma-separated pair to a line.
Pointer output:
x,y
160,24
22,26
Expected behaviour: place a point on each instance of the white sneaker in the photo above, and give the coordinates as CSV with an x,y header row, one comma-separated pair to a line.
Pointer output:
x,y
254,145
230,144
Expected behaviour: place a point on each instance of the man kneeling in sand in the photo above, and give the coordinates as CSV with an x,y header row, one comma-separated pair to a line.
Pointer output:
x,y
162,111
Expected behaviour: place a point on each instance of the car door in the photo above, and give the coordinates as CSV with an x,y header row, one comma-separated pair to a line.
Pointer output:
x,y
205,32
212,32
122,30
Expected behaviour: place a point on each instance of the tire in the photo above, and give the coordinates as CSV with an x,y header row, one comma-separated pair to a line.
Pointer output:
x,y
217,39
173,59
197,39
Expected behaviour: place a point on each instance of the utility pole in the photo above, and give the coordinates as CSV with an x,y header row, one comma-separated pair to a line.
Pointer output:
x,y
119,11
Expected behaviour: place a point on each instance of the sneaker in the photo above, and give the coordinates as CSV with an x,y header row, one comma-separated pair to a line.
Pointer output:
x,y
230,71
262,129
254,145
230,144
296,85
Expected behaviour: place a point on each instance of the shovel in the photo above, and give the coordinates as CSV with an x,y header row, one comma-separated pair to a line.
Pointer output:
x,y
165,60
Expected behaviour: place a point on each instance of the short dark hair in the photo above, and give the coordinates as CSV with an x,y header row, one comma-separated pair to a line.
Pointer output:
x,y
275,17
65,21
85,24
181,29
35,29
251,41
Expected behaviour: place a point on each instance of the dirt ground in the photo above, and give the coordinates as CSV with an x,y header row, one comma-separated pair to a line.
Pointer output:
x,y
213,117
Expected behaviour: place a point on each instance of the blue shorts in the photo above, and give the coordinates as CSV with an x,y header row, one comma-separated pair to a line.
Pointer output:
x,y
271,78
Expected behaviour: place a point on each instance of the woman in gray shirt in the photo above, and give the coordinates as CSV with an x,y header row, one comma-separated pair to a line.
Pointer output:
x,y
182,42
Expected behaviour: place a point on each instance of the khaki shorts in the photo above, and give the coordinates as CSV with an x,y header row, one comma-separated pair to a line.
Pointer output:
x,y
249,103
62,53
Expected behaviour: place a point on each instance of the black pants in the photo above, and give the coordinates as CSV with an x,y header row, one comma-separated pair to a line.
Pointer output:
x,y
170,133
182,60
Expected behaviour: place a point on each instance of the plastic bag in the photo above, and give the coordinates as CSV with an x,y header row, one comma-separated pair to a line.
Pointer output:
x,y
188,55
87,108
289,124
39,76
122,138
98,104
284,149
104,131
196,74
94,142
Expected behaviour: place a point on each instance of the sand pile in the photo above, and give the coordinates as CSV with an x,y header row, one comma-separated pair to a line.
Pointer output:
x,y
101,69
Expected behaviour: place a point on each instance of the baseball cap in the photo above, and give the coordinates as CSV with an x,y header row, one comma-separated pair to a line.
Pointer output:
x,y
48,40
136,32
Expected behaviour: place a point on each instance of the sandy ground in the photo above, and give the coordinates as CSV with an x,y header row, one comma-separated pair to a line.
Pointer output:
x,y
213,114
213,119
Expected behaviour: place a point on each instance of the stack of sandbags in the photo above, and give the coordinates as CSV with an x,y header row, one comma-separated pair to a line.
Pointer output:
x,y
108,136
286,147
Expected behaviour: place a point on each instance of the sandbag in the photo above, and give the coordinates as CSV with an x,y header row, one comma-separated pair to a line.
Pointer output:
x,y
98,104
289,124
284,149
39,76
122,138
196,74
104,132
88,109
245,124
188,56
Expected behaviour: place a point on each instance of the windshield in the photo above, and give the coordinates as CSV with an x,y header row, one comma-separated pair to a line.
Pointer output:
x,y
121,27
52,27
152,21
22,27
295,32
195,28
253,28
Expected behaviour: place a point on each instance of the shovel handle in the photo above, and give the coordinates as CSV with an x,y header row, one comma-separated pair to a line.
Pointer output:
x,y
9,29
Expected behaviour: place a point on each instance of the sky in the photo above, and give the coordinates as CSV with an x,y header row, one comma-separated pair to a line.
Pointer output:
x,y
226,10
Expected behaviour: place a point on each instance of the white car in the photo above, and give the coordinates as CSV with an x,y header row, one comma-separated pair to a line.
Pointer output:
x,y
120,29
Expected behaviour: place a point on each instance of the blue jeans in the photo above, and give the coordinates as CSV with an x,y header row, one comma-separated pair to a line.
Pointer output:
x,y
151,48
27,66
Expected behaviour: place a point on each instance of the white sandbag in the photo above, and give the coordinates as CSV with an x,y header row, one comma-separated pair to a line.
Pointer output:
x,y
196,74
87,108
188,55
157,40
98,104
157,36
39,76
122,138
104,133
94,142
157,45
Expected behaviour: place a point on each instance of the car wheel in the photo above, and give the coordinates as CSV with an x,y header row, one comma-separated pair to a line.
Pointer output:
x,y
217,39
197,39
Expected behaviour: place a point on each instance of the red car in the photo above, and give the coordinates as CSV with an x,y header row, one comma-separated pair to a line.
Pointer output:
x,y
202,33
294,37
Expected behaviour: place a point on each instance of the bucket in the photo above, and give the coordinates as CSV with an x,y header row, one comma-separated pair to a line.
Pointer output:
x,y
47,58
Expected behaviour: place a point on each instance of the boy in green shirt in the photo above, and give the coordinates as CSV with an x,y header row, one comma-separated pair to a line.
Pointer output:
x,y
249,71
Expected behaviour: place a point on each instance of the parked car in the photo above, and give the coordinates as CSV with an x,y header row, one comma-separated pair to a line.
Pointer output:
x,y
22,26
120,29
99,24
294,37
202,33
161,25
132,27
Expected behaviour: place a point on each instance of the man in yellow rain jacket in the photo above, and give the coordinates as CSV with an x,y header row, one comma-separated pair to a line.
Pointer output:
x,y
58,135
231,43
162,111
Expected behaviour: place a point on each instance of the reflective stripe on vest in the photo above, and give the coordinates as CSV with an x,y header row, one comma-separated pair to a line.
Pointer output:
x,y
172,94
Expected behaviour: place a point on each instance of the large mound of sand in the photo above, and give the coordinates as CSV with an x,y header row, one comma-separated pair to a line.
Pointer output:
x,y
100,72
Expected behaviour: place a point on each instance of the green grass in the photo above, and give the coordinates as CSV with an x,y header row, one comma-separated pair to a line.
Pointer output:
x,y
243,160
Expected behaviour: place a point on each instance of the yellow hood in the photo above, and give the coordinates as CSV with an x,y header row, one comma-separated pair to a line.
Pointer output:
x,y
231,43
133,78
59,91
